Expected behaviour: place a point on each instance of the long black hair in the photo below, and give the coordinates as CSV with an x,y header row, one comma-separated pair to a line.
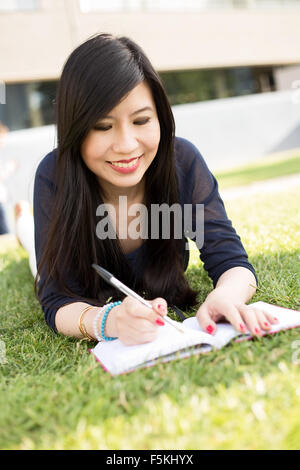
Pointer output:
x,y
96,77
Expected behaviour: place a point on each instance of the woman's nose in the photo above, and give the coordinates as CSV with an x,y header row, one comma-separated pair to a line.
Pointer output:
x,y
125,142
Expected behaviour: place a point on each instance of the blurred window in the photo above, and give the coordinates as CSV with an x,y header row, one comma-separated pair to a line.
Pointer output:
x,y
190,86
87,6
32,104
29,105
18,5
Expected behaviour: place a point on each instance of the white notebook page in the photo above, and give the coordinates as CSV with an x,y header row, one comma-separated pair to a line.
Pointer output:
x,y
225,331
117,358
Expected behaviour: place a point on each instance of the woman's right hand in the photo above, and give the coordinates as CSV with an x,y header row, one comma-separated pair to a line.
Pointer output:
x,y
134,323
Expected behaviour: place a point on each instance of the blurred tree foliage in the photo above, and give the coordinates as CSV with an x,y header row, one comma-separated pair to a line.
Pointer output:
x,y
188,86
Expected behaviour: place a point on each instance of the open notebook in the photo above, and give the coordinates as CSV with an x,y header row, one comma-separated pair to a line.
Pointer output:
x,y
116,358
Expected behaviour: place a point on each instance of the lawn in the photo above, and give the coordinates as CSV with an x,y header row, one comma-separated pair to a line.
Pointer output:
x,y
277,165
54,395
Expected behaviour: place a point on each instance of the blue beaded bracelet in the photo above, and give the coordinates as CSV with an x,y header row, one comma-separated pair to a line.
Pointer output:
x,y
112,305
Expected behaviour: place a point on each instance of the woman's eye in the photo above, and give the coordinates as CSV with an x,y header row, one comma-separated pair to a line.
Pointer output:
x,y
99,128
144,121
139,123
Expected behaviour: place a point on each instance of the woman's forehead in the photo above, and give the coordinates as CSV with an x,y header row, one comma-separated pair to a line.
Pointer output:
x,y
137,100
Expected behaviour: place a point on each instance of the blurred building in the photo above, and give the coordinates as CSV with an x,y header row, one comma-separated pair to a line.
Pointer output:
x,y
203,49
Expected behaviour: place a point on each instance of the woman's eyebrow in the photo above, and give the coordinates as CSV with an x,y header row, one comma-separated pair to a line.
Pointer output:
x,y
146,108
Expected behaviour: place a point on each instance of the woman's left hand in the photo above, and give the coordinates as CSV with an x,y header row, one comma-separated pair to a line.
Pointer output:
x,y
219,307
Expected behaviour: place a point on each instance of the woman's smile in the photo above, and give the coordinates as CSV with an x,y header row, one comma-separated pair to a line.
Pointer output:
x,y
125,166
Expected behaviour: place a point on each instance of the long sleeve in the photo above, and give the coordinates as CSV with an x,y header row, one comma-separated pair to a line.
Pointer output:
x,y
222,248
51,299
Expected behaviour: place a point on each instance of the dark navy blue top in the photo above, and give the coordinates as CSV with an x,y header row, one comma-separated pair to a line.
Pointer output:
x,y
222,248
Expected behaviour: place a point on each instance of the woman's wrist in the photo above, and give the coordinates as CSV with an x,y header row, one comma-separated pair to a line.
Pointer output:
x,y
111,329
239,295
110,324
89,320
238,283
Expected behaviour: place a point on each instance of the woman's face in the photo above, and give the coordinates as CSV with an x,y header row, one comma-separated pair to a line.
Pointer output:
x,y
121,146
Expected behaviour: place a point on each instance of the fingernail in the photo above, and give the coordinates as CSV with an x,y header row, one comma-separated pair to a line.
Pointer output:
x,y
209,329
276,319
159,322
162,308
266,324
257,331
242,327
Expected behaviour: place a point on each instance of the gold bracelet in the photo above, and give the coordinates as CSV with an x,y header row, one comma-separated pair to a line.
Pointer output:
x,y
82,327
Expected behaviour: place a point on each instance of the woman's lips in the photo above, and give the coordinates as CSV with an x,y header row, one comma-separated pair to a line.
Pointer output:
x,y
127,169
125,161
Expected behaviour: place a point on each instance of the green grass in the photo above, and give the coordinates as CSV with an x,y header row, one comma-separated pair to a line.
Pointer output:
x,y
264,169
54,395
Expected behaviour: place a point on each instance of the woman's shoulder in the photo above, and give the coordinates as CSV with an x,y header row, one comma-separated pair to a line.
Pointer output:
x,y
185,145
187,156
195,180
46,166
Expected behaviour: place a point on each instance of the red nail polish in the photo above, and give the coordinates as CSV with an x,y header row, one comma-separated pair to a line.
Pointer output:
x,y
257,330
210,329
266,324
159,322
276,319
242,327
161,308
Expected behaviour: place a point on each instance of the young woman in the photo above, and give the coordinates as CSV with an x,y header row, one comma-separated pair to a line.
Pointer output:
x,y
116,138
